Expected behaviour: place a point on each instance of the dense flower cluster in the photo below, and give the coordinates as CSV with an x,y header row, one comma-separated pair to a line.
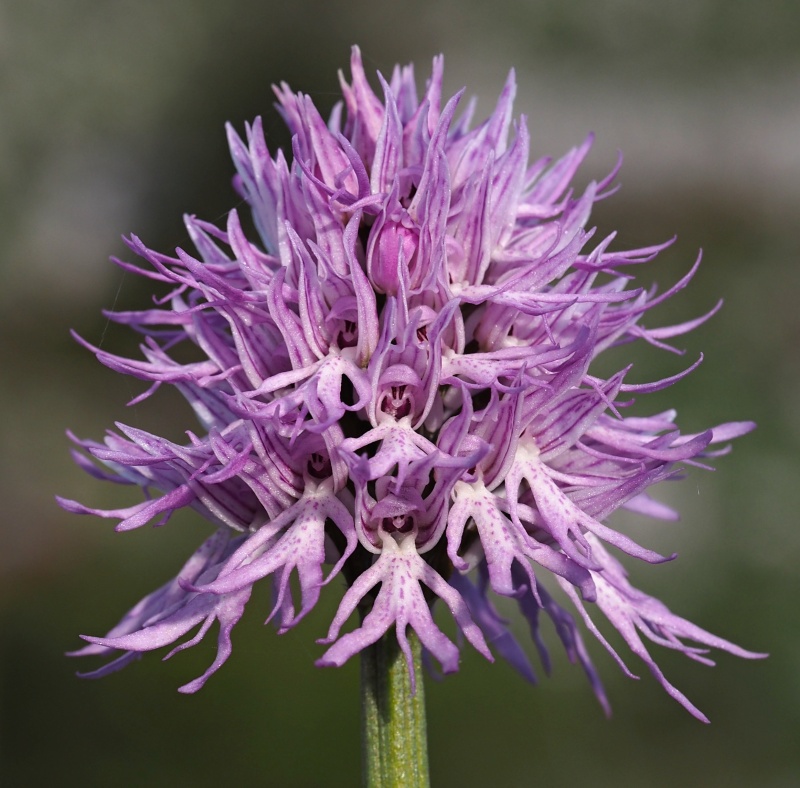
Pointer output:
x,y
395,382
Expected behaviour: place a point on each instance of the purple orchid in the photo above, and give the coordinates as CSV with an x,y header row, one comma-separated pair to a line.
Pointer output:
x,y
396,384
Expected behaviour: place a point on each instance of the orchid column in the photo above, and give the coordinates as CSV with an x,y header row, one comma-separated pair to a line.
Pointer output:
x,y
394,386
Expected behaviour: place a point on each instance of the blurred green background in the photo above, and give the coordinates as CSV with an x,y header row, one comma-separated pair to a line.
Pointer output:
x,y
111,121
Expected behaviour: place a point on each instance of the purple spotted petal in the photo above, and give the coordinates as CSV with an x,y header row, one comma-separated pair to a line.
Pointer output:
x,y
401,603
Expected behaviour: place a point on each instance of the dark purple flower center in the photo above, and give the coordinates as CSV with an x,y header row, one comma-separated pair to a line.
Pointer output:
x,y
319,466
396,402
401,523
348,335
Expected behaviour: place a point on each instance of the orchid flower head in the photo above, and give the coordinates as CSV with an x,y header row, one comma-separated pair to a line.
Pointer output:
x,y
395,386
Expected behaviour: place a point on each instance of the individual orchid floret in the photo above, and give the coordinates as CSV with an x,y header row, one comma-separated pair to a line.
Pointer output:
x,y
396,388
401,603
166,615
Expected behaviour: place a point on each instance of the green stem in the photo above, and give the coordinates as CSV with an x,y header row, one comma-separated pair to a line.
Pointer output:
x,y
394,739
